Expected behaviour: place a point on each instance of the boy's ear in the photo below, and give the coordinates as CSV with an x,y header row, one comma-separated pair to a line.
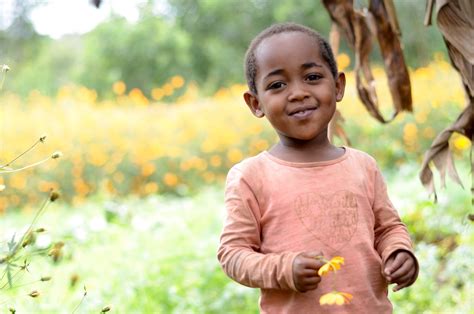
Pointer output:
x,y
340,85
252,101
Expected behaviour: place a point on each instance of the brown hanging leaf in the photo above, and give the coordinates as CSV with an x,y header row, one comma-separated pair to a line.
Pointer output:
x,y
455,20
397,73
336,128
439,152
358,27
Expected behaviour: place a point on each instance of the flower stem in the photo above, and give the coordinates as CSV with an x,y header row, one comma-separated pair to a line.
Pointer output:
x,y
26,167
40,140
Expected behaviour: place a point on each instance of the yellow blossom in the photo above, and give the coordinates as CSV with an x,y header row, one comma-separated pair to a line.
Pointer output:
x,y
343,61
119,88
335,297
462,142
170,179
177,81
157,93
332,265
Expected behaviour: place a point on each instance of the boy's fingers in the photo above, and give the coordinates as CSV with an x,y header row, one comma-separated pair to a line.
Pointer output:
x,y
312,280
313,254
406,268
310,272
400,286
403,278
394,264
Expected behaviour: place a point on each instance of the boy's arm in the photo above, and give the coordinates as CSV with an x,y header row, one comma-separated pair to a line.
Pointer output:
x,y
239,250
391,235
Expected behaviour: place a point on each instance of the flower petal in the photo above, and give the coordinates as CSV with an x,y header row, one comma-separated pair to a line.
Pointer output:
x,y
323,270
347,297
337,259
339,299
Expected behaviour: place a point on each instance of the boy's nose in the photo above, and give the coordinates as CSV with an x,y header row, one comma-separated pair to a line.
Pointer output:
x,y
297,92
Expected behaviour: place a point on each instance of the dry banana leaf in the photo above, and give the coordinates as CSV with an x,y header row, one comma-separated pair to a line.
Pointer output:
x,y
397,73
358,28
439,152
336,128
336,124
455,20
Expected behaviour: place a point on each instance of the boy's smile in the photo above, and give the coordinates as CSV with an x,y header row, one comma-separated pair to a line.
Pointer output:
x,y
296,90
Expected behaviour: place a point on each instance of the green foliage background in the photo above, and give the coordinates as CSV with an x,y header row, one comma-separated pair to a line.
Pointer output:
x,y
166,261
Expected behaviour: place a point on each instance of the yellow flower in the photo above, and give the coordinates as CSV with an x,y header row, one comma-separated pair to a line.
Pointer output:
x,y
119,88
462,142
335,297
343,61
332,265
170,179
177,81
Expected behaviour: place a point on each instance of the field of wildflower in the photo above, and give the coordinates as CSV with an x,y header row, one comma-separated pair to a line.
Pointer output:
x,y
134,145
141,194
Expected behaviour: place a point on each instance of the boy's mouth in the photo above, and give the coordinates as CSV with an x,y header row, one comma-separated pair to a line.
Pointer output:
x,y
303,112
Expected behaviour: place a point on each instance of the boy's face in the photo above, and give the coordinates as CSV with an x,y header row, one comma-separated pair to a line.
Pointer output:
x,y
296,90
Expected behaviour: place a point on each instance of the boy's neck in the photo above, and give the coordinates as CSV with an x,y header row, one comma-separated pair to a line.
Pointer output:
x,y
305,151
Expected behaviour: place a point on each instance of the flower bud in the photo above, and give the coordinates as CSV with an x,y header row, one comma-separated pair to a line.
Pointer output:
x,y
54,196
56,155
34,294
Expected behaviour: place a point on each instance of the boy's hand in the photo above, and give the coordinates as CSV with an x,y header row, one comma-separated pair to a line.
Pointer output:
x,y
305,271
400,268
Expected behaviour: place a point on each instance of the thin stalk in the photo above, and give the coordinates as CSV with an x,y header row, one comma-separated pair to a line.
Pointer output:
x,y
26,167
40,140
82,300
10,279
18,245
25,284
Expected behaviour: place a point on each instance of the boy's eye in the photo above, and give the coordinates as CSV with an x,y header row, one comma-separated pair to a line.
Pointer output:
x,y
276,85
313,77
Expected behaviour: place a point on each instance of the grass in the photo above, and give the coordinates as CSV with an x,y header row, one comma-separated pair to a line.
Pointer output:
x,y
158,255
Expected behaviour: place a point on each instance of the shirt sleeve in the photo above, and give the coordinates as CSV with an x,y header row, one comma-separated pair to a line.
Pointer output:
x,y
391,234
239,250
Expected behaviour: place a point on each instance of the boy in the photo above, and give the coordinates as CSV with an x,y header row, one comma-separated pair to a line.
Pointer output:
x,y
306,197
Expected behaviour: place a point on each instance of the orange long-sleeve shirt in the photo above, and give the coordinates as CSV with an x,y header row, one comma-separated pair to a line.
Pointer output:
x,y
278,209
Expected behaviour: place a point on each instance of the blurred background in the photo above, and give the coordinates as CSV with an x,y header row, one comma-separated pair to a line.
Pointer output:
x,y
144,100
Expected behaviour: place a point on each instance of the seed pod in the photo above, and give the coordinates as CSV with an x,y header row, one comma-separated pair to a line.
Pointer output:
x,y
73,280
30,238
54,196
56,155
46,278
105,309
34,294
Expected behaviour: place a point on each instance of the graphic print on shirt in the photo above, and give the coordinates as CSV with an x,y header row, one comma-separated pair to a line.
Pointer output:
x,y
331,219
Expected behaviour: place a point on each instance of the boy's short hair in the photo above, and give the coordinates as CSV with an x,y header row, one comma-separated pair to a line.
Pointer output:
x,y
251,61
